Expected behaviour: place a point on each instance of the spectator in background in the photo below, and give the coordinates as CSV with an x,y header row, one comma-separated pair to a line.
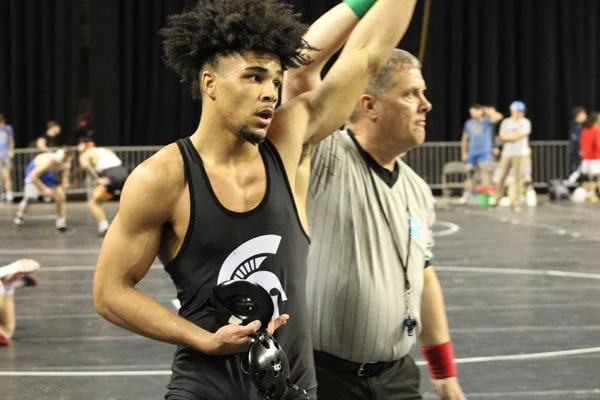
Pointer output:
x,y
514,132
575,126
50,138
7,147
476,144
526,192
84,130
590,155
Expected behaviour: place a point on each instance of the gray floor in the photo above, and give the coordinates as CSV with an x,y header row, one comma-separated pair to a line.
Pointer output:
x,y
522,292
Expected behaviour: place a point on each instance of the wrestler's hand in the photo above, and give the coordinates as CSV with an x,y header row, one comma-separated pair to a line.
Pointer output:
x,y
103,181
231,339
448,389
47,192
277,323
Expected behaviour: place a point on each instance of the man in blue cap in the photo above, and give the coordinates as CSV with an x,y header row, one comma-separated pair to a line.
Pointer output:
x,y
514,132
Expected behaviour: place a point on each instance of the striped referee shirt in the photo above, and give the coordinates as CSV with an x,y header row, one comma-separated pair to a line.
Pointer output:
x,y
355,281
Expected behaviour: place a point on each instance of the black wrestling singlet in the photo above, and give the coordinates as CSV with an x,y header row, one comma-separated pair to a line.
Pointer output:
x,y
266,245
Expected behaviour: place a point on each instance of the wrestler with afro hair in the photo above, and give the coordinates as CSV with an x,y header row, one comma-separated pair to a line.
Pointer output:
x,y
214,28
228,201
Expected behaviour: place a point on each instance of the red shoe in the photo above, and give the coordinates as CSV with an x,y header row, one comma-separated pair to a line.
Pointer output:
x,y
3,340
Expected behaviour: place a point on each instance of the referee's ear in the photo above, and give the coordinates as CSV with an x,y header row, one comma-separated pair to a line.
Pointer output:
x,y
368,105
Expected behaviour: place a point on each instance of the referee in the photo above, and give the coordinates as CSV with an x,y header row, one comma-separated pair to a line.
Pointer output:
x,y
371,290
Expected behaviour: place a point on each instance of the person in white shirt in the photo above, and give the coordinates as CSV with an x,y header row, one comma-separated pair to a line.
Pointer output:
x,y
110,175
514,132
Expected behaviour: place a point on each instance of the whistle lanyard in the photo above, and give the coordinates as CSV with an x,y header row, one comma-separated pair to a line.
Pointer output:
x,y
409,322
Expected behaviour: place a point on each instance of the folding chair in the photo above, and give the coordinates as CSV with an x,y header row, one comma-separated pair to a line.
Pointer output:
x,y
453,176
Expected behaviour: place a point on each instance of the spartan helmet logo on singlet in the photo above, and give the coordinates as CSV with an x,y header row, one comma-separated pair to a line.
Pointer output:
x,y
245,261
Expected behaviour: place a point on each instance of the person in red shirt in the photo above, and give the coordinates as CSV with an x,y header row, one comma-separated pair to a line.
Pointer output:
x,y
590,154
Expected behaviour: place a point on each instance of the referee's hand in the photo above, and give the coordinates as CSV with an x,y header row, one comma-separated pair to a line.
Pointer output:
x,y
277,323
448,389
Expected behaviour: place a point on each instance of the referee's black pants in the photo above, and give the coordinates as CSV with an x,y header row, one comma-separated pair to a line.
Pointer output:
x,y
398,382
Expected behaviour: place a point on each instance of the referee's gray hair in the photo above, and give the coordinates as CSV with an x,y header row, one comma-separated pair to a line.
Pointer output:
x,y
379,86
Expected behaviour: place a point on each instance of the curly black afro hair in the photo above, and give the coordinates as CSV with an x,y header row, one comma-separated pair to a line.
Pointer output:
x,y
213,27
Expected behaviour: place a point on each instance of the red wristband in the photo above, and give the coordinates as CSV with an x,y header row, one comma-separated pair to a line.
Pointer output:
x,y
441,360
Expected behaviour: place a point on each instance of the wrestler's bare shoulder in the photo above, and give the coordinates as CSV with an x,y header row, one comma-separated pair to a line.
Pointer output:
x,y
162,174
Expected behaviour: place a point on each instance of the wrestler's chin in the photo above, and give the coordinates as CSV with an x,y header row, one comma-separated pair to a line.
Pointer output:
x,y
253,136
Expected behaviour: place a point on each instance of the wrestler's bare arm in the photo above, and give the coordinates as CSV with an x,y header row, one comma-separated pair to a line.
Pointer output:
x,y
314,115
128,251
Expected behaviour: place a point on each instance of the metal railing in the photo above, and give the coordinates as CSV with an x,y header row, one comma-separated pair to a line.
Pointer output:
x,y
550,160
131,156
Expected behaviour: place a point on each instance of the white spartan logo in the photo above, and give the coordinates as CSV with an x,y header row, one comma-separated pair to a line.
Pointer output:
x,y
245,261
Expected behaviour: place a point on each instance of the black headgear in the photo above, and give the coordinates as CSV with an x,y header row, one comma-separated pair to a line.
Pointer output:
x,y
241,302
268,366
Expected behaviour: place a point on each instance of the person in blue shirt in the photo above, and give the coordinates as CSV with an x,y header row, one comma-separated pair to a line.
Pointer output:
x,y
7,147
476,144
42,178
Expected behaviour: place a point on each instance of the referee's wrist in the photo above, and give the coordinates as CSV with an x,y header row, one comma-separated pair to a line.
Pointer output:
x,y
440,359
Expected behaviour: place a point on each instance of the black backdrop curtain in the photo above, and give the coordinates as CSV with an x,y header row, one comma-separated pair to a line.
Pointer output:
x,y
39,66
543,52
136,100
